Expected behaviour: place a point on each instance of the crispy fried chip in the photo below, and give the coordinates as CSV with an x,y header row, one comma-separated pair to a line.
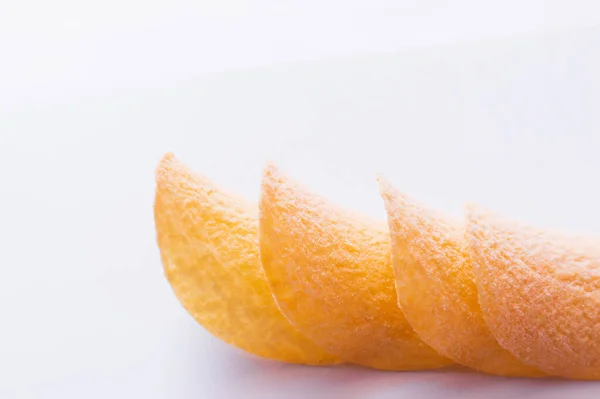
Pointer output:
x,y
208,241
540,293
436,291
330,273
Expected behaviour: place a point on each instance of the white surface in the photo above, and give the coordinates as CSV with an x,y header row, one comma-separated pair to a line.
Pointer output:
x,y
60,49
509,123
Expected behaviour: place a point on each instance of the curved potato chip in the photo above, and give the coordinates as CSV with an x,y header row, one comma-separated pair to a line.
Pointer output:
x,y
330,273
436,291
208,241
540,293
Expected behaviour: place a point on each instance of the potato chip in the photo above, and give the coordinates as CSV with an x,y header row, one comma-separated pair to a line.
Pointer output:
x,y
208,241
330,273
436,290
540,293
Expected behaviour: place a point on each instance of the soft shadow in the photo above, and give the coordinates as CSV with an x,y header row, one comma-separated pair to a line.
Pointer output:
x,y
230,373
261,378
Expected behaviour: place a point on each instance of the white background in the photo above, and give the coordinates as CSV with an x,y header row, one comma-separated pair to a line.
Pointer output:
x,y
452,101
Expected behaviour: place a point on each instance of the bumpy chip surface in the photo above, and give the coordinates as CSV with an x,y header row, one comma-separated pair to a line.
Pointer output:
x,y
330,273
540,293
436,291
208,241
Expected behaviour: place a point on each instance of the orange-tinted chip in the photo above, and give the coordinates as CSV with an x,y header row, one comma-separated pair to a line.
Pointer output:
x,y
540,293
208,241
330,273
434,280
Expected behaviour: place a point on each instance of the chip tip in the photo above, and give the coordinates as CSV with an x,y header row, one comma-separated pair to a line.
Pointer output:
x,y
384,184
168,156
473,211
161,170
270,168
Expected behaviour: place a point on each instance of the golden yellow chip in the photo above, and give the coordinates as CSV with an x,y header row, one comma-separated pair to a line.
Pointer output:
x,y
208,241
540,293
330,273
436,291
